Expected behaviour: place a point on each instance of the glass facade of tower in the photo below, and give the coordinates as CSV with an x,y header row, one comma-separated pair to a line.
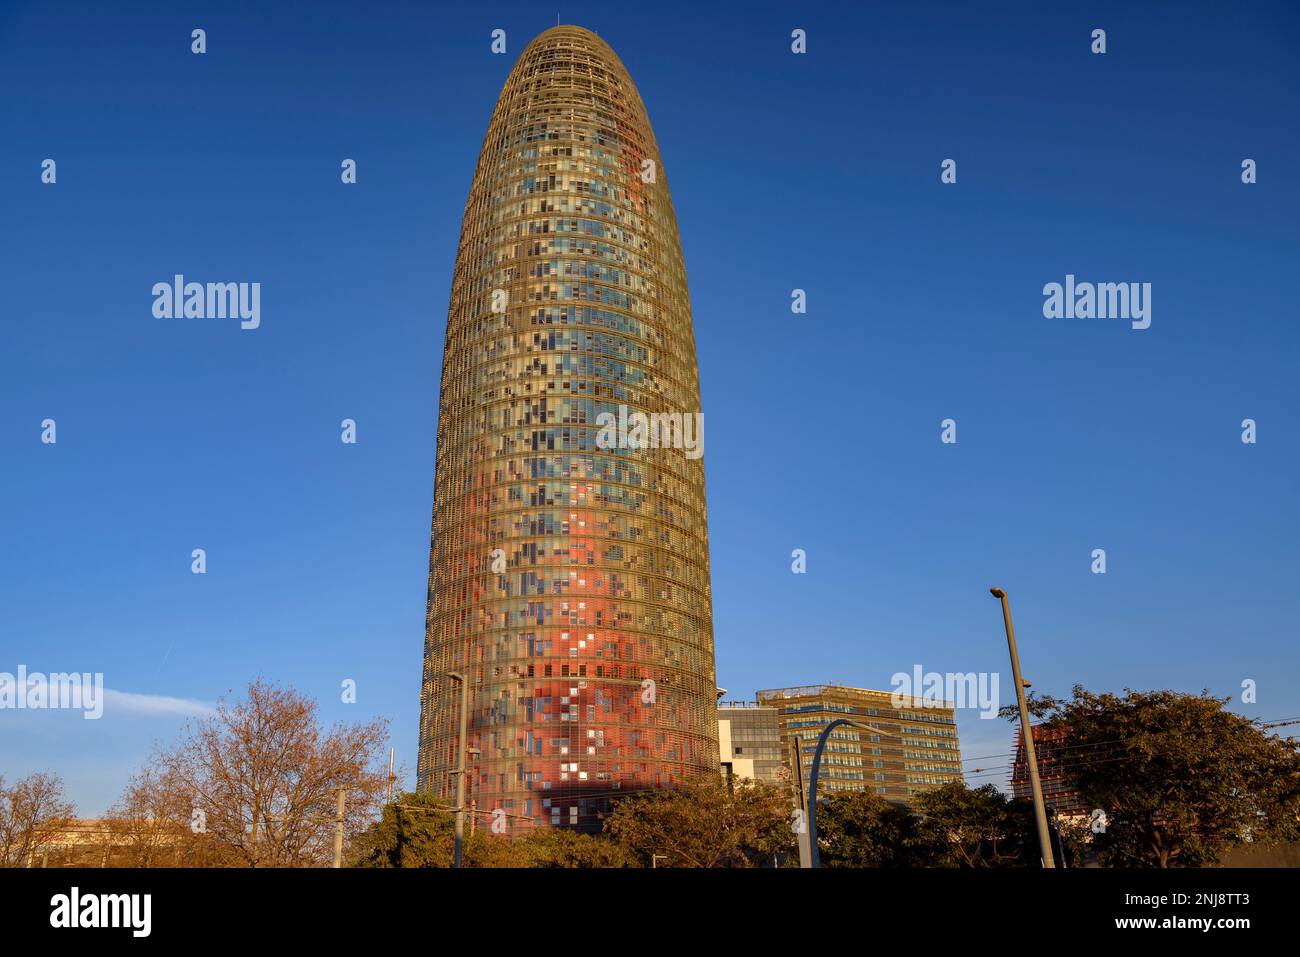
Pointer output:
x,y
568,577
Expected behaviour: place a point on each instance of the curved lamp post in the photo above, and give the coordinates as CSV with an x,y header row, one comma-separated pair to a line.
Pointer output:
x,y
813,853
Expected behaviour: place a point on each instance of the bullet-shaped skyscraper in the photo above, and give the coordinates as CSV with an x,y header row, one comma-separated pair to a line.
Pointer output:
x,y
568,569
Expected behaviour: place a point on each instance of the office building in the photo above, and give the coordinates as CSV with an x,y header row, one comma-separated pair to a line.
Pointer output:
x,y
897,752
749,742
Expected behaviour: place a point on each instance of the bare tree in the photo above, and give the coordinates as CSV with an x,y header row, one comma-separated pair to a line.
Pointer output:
x,y
32,814
151,825
259,781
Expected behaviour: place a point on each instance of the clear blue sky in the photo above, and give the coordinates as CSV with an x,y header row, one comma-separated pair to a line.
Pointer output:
x,y
822,431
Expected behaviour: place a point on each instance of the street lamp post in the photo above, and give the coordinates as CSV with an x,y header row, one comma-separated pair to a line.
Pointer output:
x,y
338,829
1026,733
456,676
796,771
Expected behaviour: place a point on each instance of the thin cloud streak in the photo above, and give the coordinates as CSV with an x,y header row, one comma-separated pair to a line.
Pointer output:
x,y
153,705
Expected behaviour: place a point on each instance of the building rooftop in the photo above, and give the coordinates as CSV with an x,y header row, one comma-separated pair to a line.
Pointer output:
x,y
811,691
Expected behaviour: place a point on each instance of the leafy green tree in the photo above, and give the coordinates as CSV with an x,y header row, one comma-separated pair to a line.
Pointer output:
x,y
1181,780
707,824
418,831
862,829
1071,840
489,850
415,831
558,847
974,827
